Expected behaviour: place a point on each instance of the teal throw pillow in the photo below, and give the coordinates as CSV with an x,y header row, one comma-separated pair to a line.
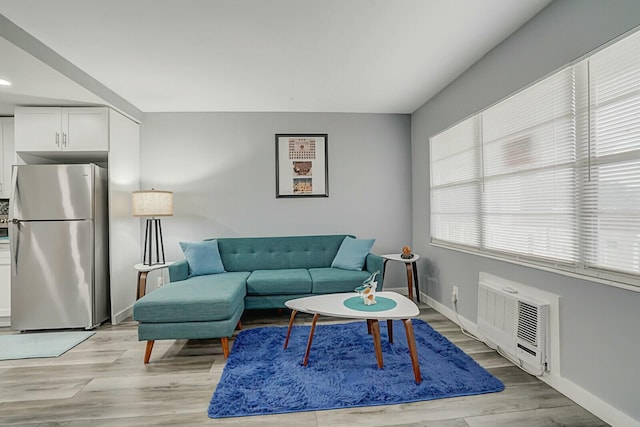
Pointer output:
x,y
203,257
352,253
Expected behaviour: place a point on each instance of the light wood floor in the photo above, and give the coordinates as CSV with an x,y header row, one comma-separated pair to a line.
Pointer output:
x,y
103,382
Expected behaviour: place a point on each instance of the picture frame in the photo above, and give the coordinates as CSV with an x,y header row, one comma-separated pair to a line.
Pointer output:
x,y
302,167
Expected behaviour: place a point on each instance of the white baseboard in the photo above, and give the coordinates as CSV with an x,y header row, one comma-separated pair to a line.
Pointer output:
x,y
582,397
402,291
468,325
591,403
121,316
5,317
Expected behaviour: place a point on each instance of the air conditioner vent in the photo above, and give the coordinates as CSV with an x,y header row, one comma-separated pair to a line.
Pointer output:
x,y
527,322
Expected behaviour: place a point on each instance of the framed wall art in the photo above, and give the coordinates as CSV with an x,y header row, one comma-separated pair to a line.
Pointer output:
x,y
302,165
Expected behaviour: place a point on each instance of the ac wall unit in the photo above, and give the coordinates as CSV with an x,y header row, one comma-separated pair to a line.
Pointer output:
x,y
516,323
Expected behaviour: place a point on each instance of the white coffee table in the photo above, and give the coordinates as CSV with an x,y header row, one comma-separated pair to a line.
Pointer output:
x,y
334,305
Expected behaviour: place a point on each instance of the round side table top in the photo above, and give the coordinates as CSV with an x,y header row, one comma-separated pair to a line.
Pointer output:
x,y
397,257
145,267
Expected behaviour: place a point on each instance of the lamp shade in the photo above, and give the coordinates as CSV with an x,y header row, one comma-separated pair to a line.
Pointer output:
x,y
152,203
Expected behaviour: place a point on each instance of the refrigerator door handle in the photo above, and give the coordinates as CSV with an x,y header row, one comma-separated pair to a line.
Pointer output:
x,y
14,193
14,239
15,246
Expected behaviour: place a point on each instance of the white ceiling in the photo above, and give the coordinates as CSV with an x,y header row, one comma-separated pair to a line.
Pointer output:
x,y
35,83
369,56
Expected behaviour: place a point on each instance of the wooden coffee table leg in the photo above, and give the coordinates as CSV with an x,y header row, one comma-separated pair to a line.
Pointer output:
x,y
293,316
390,330
313,328
411,341
375,328
369,326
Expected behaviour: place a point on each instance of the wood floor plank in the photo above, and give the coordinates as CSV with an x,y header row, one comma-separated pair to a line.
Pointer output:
x,y
131,366
197,419
105,405
512,375
20,389
473,347
69,358
527,397
491,360
566,416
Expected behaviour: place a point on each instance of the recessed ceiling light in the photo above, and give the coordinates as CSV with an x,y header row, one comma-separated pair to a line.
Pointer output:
x,y
5,82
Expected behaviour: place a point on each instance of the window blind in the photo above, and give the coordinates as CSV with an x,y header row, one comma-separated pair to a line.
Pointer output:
x,y
529,153
455,179
612,192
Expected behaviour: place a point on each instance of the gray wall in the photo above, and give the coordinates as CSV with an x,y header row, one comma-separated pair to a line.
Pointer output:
x,y
221,167
600,333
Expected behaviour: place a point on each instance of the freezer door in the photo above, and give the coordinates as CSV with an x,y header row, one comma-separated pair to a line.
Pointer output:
x,y
51,192
52,275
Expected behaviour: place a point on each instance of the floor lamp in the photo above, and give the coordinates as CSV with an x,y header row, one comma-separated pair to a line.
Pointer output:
x,y
152,204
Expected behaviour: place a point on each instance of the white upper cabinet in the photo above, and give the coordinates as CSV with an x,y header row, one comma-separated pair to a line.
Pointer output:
x,y
51,129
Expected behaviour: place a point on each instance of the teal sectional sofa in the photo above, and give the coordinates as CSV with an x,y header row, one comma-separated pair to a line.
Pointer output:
x,y
220,278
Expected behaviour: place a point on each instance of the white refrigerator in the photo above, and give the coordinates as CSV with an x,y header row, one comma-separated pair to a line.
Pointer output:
x,y
59,247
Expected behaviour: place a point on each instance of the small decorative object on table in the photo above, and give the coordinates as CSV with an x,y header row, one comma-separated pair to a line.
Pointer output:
x,y
368,289
406,253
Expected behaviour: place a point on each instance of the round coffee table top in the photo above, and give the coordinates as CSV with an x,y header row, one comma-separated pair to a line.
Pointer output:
x,y
333,305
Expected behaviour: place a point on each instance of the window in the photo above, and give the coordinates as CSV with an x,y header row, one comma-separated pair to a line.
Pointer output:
x,y
550,175
529,152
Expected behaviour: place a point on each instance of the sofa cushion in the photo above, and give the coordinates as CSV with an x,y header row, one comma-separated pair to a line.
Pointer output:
x,y
203,257
276,253
200,298
352,253
333,280
279,282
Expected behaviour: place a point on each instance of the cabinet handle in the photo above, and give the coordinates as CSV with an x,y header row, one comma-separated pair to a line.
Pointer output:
x,y
64,139
57,139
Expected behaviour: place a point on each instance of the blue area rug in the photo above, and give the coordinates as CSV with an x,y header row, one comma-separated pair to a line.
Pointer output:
x,y
46,344
260,377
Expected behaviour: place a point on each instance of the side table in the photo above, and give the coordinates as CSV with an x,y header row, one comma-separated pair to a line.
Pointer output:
x,y
412,271
143,270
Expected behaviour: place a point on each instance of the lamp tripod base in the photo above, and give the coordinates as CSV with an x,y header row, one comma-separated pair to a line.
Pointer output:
x,y
153,243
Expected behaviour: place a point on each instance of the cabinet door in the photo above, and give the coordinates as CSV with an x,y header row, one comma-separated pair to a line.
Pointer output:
x,y
85,129
38,129
8,156
5,285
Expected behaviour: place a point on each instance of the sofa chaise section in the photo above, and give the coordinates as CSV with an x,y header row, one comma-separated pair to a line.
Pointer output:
x,y
204,307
